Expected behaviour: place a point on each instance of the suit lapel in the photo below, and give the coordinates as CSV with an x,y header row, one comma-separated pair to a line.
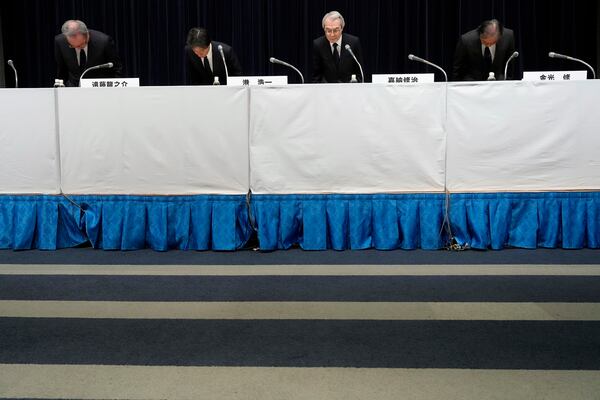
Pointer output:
x,y
499,54
328,54
217,65
72,57
344,55
92,54
476,55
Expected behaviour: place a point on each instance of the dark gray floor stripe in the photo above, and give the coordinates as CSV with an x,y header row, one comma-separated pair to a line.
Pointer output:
x,y
297,256
302,288
303,343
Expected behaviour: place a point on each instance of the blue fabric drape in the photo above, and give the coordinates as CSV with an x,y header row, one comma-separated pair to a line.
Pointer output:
x,y
319,222
124,222
161,223
568,220
38,222
527,220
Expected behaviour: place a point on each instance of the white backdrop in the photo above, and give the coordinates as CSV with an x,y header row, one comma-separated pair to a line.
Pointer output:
x,y
355,138
28,141
154,140
524,136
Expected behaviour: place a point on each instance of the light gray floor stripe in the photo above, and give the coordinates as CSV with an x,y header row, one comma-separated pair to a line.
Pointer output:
x,y
290,270
249,383
303,310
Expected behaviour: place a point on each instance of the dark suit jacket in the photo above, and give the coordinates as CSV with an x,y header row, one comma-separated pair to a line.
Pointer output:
x,y
101,50
324,69
196,72
468,57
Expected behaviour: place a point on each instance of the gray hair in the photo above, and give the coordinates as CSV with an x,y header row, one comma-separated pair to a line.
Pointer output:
x,y
72,31
483,27
333,15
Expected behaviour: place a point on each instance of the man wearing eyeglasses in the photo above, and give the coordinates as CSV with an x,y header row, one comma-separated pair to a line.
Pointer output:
x,y
332,63
78,48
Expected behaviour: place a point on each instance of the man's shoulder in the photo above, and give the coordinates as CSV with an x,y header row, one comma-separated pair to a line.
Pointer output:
x,y
60,38
350,38
98,36
508,32
320,41
470,36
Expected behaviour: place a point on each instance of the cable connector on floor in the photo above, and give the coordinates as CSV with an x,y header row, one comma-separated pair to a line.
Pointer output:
x,y
455,246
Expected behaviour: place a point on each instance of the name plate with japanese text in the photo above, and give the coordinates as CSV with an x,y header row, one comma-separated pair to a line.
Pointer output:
x,y
257,80
110,83
402,78
554,75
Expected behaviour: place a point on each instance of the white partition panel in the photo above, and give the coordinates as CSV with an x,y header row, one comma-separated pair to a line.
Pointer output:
x,y
154,140
347,138
524,136
28,141
344,138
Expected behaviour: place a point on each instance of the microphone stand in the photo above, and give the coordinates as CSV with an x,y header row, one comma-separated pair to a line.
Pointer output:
x,y
513,55
273,60
101,66
556,55
224,63
446,223
412,57
349,49
12,65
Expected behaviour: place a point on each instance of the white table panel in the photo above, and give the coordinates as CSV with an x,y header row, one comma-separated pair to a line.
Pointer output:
x,y
154,140
524,136
347,138
28,141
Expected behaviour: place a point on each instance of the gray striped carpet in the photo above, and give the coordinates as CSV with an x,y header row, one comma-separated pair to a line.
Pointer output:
x,y
87,324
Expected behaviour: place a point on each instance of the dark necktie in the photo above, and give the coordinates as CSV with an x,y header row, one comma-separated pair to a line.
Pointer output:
x,y
82,59
336,55
207,66
487,62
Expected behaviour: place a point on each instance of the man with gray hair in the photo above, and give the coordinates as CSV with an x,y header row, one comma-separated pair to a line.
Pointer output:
x,y
78,48
483,50
331,61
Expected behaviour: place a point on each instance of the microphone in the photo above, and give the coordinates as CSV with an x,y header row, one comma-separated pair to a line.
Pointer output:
x,y
101,66
412,57
513,55
273,60
556,55
224,63
349,50
12,65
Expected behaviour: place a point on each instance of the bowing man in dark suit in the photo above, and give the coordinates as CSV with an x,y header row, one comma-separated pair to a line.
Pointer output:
x,y
332,63
78,48
483,50
204,61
